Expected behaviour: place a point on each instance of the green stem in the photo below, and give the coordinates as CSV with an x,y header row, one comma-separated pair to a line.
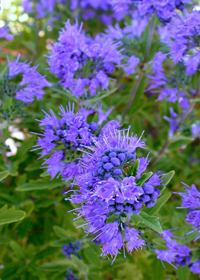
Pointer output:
x,y
137,83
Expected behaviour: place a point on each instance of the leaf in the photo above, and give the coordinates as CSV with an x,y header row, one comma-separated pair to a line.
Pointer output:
x,y
58,265
158,271
17,249
160,202
179,141
166,179
144,178
79,264
10,215
132,170
4,174
195,256
92,254
39,186
60,232
183,273
3,124
150,221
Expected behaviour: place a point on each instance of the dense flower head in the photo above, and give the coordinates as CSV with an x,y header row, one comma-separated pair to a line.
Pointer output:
x,y
191,201
164,9
32,82
63,137
82,63
4,33
112,188
182,36
169,84
71,248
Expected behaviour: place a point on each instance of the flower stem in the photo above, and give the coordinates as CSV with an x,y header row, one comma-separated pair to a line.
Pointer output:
x,y
137,83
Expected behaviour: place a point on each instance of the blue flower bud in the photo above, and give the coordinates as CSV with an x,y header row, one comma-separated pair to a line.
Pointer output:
x,y
154,196
117,171
150,203
115,161
101,171
120,206
119,200
122,156
145,198
105,159
136,212
108,175
137,205
112,154
108,166
93,126
111,208
148,189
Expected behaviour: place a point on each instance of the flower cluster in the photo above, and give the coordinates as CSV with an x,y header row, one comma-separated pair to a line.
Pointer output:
x,y
191,201
32,82
180,254
169,86
112,188
82,63
63,137
72,248
164,9
184,40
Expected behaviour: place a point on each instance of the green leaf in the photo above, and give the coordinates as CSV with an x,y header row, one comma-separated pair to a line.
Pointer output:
x,y
195,256
4,174
166,179
92,254
79,264
160,202
10,215
39,186
150,221
158,271
17,249
179,141
183,273
60,232
144,178
58,265
3,125
132,170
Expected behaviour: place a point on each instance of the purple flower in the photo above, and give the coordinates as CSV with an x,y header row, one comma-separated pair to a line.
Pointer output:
x,y
74,51
4,33
111,144
32,83
195,267
132,63
173,121
180,254
195,130
181,35
191,201
71,248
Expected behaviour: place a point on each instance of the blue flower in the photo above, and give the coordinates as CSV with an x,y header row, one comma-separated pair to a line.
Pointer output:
x,y
32,83
4,33
75,52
